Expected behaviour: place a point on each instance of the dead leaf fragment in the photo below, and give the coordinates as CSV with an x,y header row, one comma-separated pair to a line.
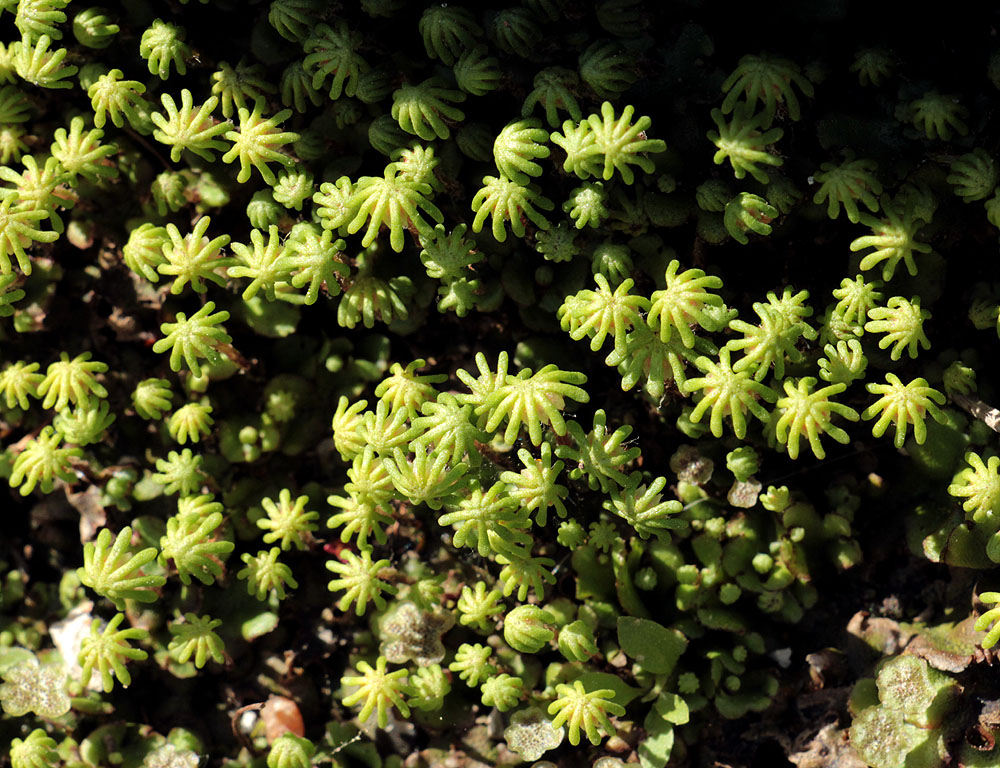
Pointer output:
x,y
830,748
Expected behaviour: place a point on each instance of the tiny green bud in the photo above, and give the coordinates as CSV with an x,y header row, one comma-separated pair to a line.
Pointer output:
x,y
151,398
427,687
743,462
576,641
93,28
34,751
571,534
983,314
729,593
687,574
526,629
645,579
959,378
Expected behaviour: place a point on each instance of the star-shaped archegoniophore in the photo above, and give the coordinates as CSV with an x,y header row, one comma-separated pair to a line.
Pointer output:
x,y
584,710
807,413
728,394
744,143
903,404
685,301
394,202
114,572
505,201
193,339
378,689
894,240
979,485
257,141
359,581
108,651
596,314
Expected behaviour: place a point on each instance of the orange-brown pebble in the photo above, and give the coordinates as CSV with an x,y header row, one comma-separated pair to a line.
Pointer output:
x,y
281,715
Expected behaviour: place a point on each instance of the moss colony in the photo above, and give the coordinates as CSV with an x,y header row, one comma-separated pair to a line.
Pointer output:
x,y
563,384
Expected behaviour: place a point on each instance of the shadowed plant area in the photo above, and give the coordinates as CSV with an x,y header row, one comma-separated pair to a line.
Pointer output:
x,y
394,384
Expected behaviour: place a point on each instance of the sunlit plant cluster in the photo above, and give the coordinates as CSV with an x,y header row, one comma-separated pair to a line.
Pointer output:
x,y
404,383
